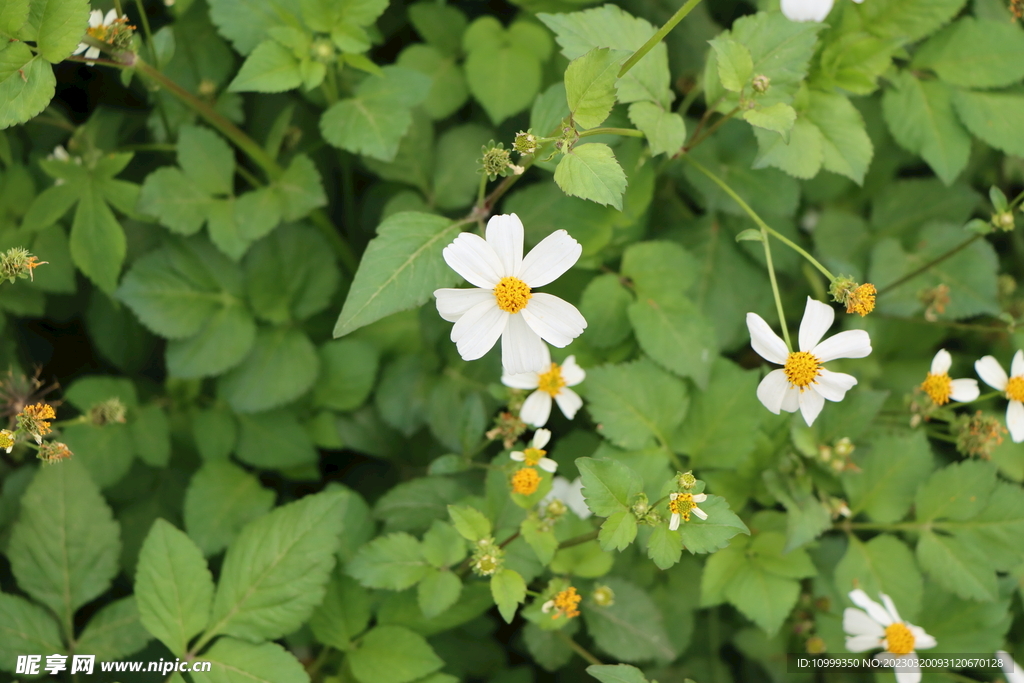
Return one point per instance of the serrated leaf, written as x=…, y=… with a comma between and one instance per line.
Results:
x=442, y=545
x=763, y=597
x=115, y=631
x=959, y=491
x=223, y=342
x=236, y=661
x=721, y=426
x=591, y=172
x=392, y=654
x=220, y=500
x=439, y=590
x=884, y=486
x=274, y=440
x=343, y=614
x=469, y=522
x=281, y=366
x=957, y=566
x=735, y=65
x=707, y=535
x=618, y=531
x=673, y=332
x=617, y=673
x=882, y=565
x=175, y=200
x=541, y=540
x=270, y=68
x=98, y=245
x=590, y=86
x=778, y=117
x=508, y=590
x=974, y=53
x=26, y=628
x=846, y=147
x=608, y=485
x=665, y=130
x=996, y=117
x=664, y=546
x=632, y=629
x=801, y=157
x=26, y=84
x=909, y=20
x=61, y=24
x=394, y=561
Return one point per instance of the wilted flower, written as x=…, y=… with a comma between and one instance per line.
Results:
x=106, y=412
x=977, y=435
x=53, y=451
x=563, y=604
x=18, y=263
x=989, y=369
x=533, y=456
x=877, y=626
x=940, y=388
x=108, y=29
x=34, y=420
x=508, y=427
x=553, y=383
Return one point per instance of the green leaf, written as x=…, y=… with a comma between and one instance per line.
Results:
x=455, y=178
x=343, y=614
x=659, y=269
x=636, y=403
x=997, y=118
x=374, y=121
x=909, y=20
x=591, y=172
x=632, y=629
x=394, y=562
x=603, y=304
x=97, y=242
x=541, y=539
x=801, y=157
x=13, y=15
x=115, y=631
x=921, y=119
x=26, y=628
x=959, y=491
x=664, y=546
x=665, y=130
x=300, y=190
x=882, y=565
x=245, y=22
x=846, y=147
x=590, y=86
x=508, y=590
x=400, y=269
x=442, y=545
x=439, y=590
x=151, y=435
x=957, y=565
x=26, y=84
x=964, y=625
x=65, y=545
x=173, y=586
x=236, y=661
x=503, y=74
x=258, y=212
x=616, y=673
x=413, y=505
x=220, y=500
x=348, y=371
x=763, y=597
x=708, y=535
x=673, y=332
x=448, y=89
x=274, y=440
x=180, y=204
x=281, y=366
x=618, y=531
x=768, y=551
x=469, y=522
x=290, y=275
x=206, y=159
x=608, y=485
x=854, y=62
x=778, y=117
x=392, y=654
x=884, y=486
x=974, y=53
x=61, y=24
x=271, y=67
x=440, y=25
x=105, y=451
x=225, y=339
x=735, y=65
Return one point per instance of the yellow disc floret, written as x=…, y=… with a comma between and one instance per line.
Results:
x=938, y=388
x=801, y=369
x=681, y=504
x=525, y=481
x=512, y=294
x=862, y=299
x=899, y=639
x=564, y=603
x=1015, y=388
x=533, y=455
x=551, y=382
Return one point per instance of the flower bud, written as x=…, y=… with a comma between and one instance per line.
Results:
x=1003, y=220
x=18, y=263
x=496, y=160
x=844, y=447
x=525, y=143
x=815, y=645
x=111, y=410
x=761, y=83
x=687, y=480
x=322, y=50
x=603, y=596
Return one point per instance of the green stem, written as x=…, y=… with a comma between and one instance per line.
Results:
x=144, y=18
x=715, y=126
x=935, y=261
x=658, y=36
x=149, y=147
x=577, y=648
x=481, y=194
x=1017, y=200
x=248, y=176
x=775, y=289
x=314, y=668
x=940, y=436
x=627, y=132
x=691, y=97
x=577, y=540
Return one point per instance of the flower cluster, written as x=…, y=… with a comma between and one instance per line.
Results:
x=552, y=384
x=34, y=420
x=683, y=503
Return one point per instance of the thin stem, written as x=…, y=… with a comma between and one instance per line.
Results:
x=144, y=18
x=935, y=261
x=330, y=85
x=940, y=436
x=578, y=540
x=658, y=36
x=775, y=289
x=481, y=194
x=314, y=668
x=509, y=540
x=248, y=176
x=577, y=648
x=149, y=147
x=627, y=132
x=691, y=97
x=1016, y=200
x=117, y=6
x=710, y=131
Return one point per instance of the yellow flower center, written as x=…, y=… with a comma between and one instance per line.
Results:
x=681, y=505
x=862, y=299
x=551, y=382
x=512, y=294
x=801, y=368
x=938, y=387
x=525, y=481
x=566, y=602
x=533, y=455
x=899, y=638
x=1015, y=388
x=98, y=32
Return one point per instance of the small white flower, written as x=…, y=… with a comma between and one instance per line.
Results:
x=552, y=383
x=989, y=369
x=802, y=383
x=877, y=626
x=570, y=493
x=682, y=504
x=1012, y=669
x=97, y=24
x=534, y=456
x=940, y=388
x=503, y=304
x=807, y=10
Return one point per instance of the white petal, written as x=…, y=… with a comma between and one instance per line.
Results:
x=766, y=343
x=857, y=623
x=554, y=255
x=505, y=235
x=772, y=390
x=1015, y=420
x=964, y=390
x=548, y=465
x=909, y=674
x=891, y=607
x=452, y=304
x=673, y=522
x=818, y=317
x=536, y=409
x=874, y=610
x=82, y=47
x=521, y=349
x=518, y=456
x=862, y=643
x=941, y=362
x=700, y=513
x=476, y=332
x=92, y=53
x=555, y=320
x=806, y=10
x=569, y=402
x=922, y=641
x=811, y=403
x=574, y=499
x=834, y=385
x=95, y=18
x=989, y=369
x=572, y=373
x=1017, y=364
x=791, y=399
x=700, y=497
x=541, y=438
x=110, y=18
x=474, y=259
x=849, y=344
x=525, y=380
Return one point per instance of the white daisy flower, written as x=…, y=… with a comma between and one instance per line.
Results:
x=682, y=504
x=1012, y=669
x=940, y=388
x=504, y=303
x=552, y=383
x=534, y=456
x=98, y=25
x=570, y=493
x=989, y=369
x=877, y=626
x=808, y=10
x=802, y=382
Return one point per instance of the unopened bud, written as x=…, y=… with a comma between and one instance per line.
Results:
x=111, y=410
x=322, y=50
x=603, y=596
x=815, y=645
x=1003, y=220
x=496, y=160
x=687, y=480
x=761, y=83
x=555, y=509
x=525, y=143
x=844, y=447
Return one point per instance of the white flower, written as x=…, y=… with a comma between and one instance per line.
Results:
x=803, y=383
x=878, y=626
x=534, y=456
x=97, y=25
x=570, y=493
x=1010, y=668
x=989, y=369
x=940, y=388
x=807, y=10
x=503, y=304
x=551, y=383
x=682, y=504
